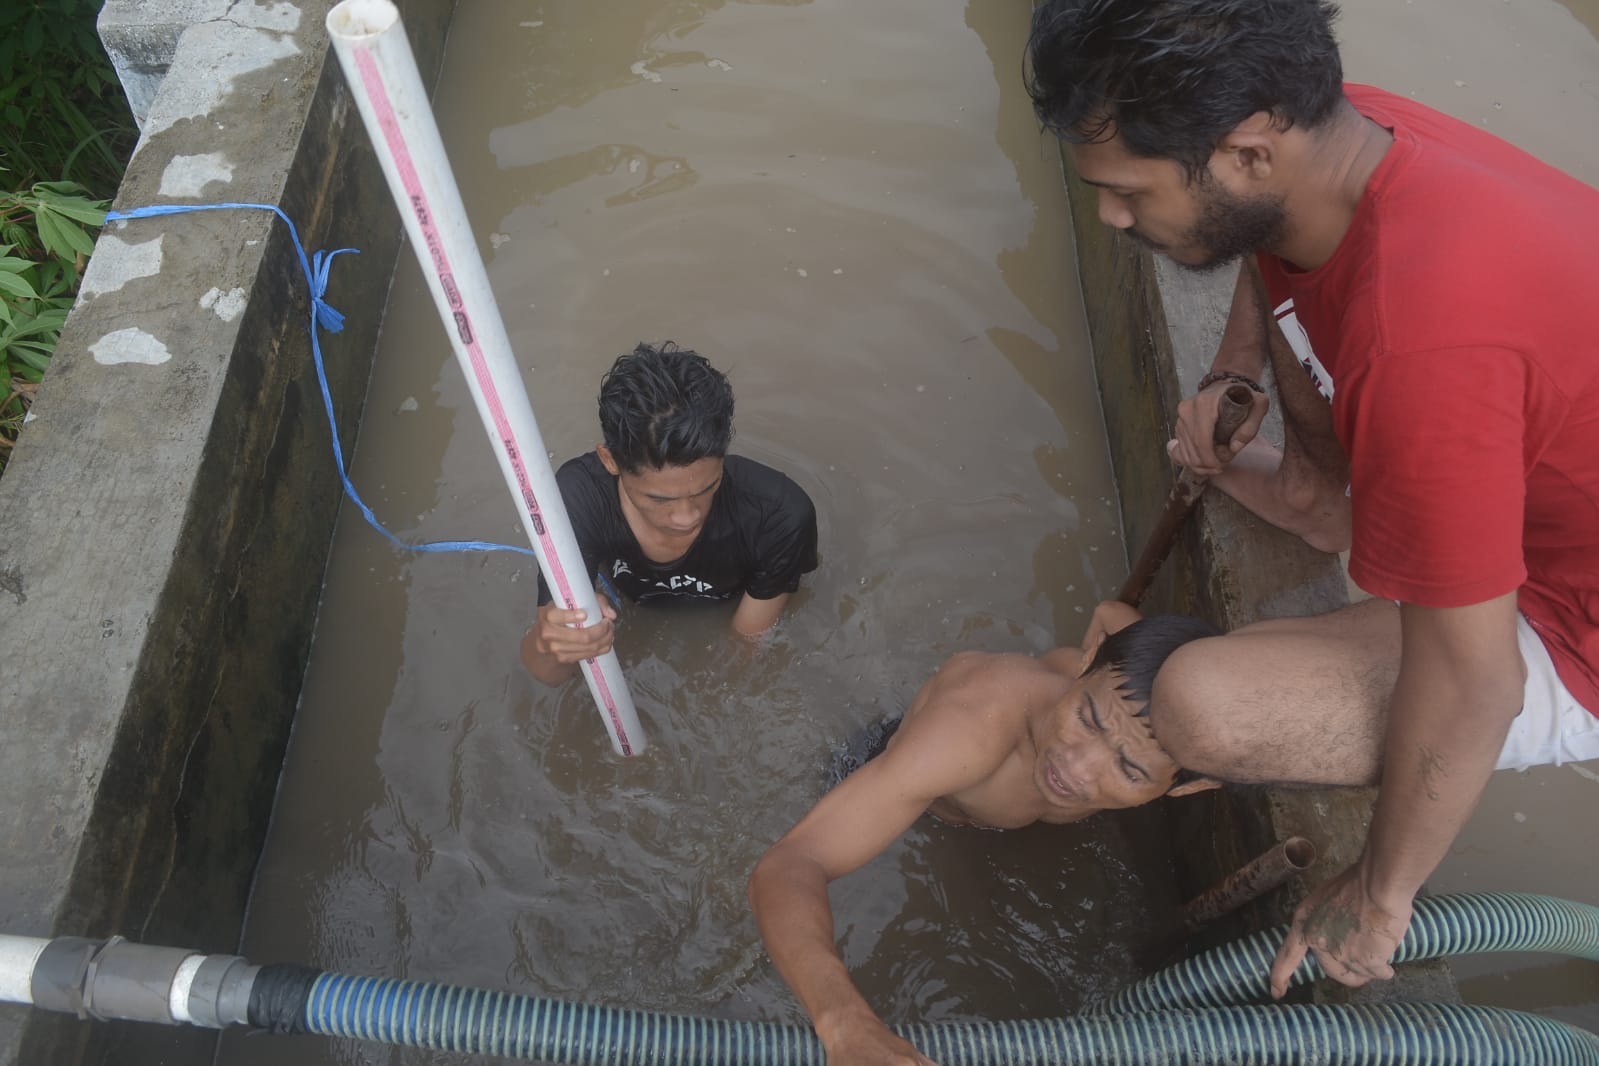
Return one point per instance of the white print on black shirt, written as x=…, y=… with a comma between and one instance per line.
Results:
x=1299, y=341
x=678, y=583
x=685, y=583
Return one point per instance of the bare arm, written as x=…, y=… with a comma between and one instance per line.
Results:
x=753, y=617
x=1111, y=616
x=552, y=648
x=849, y=827
x=788, y=893
x=1244, y=349
x=1460, y=686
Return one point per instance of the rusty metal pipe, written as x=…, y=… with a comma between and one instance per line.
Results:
x=1251, y=881
x=1236, y=404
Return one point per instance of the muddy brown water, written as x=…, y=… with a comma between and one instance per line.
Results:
x=849, y=208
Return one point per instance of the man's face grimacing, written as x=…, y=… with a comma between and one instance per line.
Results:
x=1095, y=753
x=1200, y=225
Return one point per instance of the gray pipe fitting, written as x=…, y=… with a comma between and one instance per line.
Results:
x=220, y=994
x=107, y=979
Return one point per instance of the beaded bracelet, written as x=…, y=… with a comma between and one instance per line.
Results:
x=1229, y=375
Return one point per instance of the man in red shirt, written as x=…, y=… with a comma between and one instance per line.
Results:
x=1423, y=293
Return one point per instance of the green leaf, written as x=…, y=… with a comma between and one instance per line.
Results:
x=79, y=209
x=46, y=189
x=16, y=285
x=33, y=34
x=53, y=234
x=35, y=360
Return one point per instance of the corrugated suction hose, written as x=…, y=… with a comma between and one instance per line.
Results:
x=1186, y=1014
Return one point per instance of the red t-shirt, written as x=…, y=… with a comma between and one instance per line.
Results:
x=1459, y=322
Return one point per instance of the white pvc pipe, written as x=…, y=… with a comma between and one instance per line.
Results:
x=371, y=45
x=18, y=954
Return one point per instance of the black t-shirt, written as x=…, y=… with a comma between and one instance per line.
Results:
x=759, y=537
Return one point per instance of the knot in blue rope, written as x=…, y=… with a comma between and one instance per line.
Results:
x=326, y=317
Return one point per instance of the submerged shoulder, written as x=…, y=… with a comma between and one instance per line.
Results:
x=759, y=485
x=587, y=488
x=584, y=472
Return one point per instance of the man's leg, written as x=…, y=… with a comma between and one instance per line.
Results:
x=1289, y=701
x=1301, y=488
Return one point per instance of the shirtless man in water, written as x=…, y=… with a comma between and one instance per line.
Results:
x=996, y=740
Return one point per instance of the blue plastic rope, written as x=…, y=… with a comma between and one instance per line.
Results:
x=316, y=275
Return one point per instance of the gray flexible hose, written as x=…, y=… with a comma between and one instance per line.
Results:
x=1184, y=1015
x=1442, y=925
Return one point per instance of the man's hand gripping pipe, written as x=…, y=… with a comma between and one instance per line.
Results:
x=1235, y=408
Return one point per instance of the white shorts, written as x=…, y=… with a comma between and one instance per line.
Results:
x=1552, y=728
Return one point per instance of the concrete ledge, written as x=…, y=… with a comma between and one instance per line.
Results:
x=165, y=520
x=141, y=38
x=1155, y=329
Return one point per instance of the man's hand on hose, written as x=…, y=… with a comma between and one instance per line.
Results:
x=1353, y=936
x=866, y=1041
x=1194, y=447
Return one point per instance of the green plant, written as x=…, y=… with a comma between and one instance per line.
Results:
x=43, y=246
x=65, y=132
x=62, y=112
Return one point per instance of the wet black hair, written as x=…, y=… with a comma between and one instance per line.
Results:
x=1173, y=77
x=1137, y=652
x=664, y=406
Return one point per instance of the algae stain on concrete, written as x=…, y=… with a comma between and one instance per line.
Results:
x=188, y=175
x=130, y=345
x=11, y=582
x=117, y=262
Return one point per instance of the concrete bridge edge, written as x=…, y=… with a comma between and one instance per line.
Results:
x=166, y=518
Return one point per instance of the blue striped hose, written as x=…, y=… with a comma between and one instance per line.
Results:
x=1443, y=925
x=476, y=1021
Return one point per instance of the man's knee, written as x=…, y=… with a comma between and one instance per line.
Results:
x=1188, y=705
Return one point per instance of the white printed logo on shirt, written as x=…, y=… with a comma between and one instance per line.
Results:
x=1299, y=341
x=685, y=583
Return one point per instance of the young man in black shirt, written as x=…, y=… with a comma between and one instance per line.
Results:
x=662, y=512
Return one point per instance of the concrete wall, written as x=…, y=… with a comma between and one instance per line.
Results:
x=165, y=521
x=1155, y=329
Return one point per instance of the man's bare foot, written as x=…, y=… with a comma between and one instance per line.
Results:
x=1289, y=496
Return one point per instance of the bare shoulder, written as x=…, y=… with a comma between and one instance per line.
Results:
x=972, y=712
